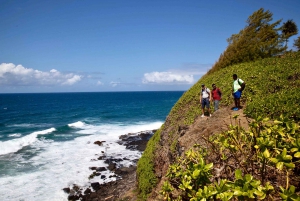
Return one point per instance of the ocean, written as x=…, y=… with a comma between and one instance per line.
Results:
x=47, y=139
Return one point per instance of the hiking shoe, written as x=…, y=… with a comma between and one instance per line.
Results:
x=235, y=109
x=202, y=115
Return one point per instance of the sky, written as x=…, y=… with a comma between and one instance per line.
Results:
x=120, y=45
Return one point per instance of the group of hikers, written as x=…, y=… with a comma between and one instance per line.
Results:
x=215, y=95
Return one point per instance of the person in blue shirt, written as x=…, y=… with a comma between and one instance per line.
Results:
x=237, y=88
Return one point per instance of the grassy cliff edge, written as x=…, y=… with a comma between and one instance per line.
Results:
x=272, y=88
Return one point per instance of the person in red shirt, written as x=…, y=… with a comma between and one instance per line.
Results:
x=216, y=96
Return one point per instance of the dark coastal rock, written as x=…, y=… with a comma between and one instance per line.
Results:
x=101, y=157
x=73, y=197
x=95, y=185
x=125, y=176
x=100, y=169
x=136, y=141
x=87, y=191
x=97, y=173
x=67, y=190
x=125, y=170
x=112, y=166
x=100, y=143
x=111, y=160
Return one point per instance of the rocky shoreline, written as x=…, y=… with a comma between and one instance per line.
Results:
x=125, y=177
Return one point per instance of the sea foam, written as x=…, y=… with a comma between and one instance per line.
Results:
x=16, y=144
x=64, y=163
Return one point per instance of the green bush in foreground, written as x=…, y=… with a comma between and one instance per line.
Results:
x=247, y=162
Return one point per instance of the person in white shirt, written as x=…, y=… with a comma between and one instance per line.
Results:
x=205, y=98
x=237, y=88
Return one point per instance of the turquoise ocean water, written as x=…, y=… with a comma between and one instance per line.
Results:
x=46, y=139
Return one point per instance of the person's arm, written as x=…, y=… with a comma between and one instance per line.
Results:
x=200, y=97
x=243, y=86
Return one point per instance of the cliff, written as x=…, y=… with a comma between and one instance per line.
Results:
x=272, y=89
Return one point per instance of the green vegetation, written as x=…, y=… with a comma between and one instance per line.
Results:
x=272, y=89
x=254, y=164
x=146, y=176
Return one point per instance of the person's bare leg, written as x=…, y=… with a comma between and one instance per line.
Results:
x=238, y=103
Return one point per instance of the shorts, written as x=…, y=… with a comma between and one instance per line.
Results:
x=237, y=94
x=205, y=102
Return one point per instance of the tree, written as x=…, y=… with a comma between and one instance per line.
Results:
x=259, y=39
x=297, y=43
x=289, y=29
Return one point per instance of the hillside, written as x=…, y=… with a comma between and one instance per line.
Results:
x=272, y=89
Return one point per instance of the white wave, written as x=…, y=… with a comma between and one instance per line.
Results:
x=68, y=162
x=29, y=125
x=14, y=145
x=21, y=125
x=78, y=124
x=15, y=135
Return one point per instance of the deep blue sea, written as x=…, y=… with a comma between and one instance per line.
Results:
x=46, y=139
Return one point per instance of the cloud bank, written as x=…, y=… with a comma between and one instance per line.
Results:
x=17, y=75
x=168, y=78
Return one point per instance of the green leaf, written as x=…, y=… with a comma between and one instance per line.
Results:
x=297, y=155
x=208, y=166
x=274, y=160
x=283, y=196
x=196, y=173
x=290, y=165
x=255, y=183
x=248, y=177
x=279, y=165
x=238, y=174
x=237, y=192
x=287, y=157
x=266, y=153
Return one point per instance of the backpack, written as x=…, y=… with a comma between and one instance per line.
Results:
x=238, y=80
x=241, y=84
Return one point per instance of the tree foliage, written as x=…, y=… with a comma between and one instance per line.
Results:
x=289, y=29
x=259, y=39
x=297, y=43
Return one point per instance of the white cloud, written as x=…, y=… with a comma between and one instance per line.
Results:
x=99, y=83
x=12, y=75
x=168, y=78
x=114, y=84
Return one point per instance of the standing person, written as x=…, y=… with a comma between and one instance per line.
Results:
x=216, y=96
x=205, y=98
x=237, y=88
